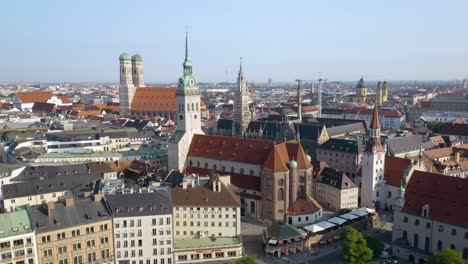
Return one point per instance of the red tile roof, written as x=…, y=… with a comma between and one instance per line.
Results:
x=375, y=123
x=161, y=99
x=65, y=100
x=446, y=196
x=239, y=180
x=393, y=171
x=454, y=129
x=304, y=206
x=230, y=148
x=32, y=97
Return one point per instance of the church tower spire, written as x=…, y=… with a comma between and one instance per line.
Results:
x=188, y=115
x=241, y=105
x=373, y=163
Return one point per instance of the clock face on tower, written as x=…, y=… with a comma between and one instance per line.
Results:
x=192, y=82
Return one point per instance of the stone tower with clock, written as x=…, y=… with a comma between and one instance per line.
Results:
x=188, y=115
x=373, y=163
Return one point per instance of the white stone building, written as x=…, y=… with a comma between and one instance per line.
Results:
x=142, y=227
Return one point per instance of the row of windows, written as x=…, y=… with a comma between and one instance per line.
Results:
x=207, y=255
x=131, y=223
x=453, y=232
x=206, y=224
x=139, y=243
x=223, y=168
x=206, y=216
x=204, y=208
x=134, y=253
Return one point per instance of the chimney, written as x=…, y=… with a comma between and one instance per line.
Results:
x=69, y=202
x=86, y=194
x=97, y=197
x=214, y=186
x=184, y=184
x=50, y=207
x=219, y=186
x=192, y=181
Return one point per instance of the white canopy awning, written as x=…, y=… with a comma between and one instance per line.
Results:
x=272, y=241
x=326, y=225
x=362, y=211
x=348, y=216
x=313, y=228
x=337, y=220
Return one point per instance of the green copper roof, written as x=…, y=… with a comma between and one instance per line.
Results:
x=125, y=57
x=283, y=231
x=292, y=164
x=15, y=223
x=137, y=57
x=177, y=136
x=361, y=83
x=207, y=242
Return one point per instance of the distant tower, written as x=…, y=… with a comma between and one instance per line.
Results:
x=361, y=88
x=126, y=87
x=188, y=115
x=299, y=100
x=241, y=105
x=385, y=92
x=379, y=93
x=269, y=80
x=137, y=71
x=465, y=83
x=373, y=163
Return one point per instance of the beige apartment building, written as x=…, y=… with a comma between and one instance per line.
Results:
x=206, y=221
x=73, y=231
x=335, y=191
x=342, y=154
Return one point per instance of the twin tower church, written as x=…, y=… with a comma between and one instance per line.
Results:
x=274, y=178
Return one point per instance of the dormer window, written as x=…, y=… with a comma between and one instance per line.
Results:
x=425, y=210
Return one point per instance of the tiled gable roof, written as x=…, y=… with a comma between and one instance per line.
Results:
x=304, y=206
x=454, y=129
x=32, y=97
x=154, y=99
x=393, y=171
x=230, y=148
x=446, y=197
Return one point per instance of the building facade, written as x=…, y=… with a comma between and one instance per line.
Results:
x=73, y=231
x=17, y=238
x=206, y=221
x=422, y=223
x=142, y=227
x=241, y=105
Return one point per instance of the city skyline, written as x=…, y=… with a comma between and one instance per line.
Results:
x=81, y=42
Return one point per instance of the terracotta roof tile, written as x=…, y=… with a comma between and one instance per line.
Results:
x=32, y=97
x=446, y=196
x=304, y=206
x=204, y=196
x=230, y=148
x=239, y=180
x=393, y=171
x=375, y=123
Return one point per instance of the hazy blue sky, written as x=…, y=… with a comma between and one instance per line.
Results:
x=81, y=40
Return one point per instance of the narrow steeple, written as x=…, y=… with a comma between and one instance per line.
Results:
x=187, y=62
x=241, y=79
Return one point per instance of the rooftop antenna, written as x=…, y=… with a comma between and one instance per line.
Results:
x=299, y=100
x=226, y=75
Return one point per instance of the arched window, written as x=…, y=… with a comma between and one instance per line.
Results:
x=215, y=167
x=427, y=243
x=452, y=246
x=241, y=171
x=439, y=245
x=232, y=170
x=188, y=107
x=197, y=106
x=190, y=162
x=280, y=194
x=405, y=234
x=416, y=241
x=389, y=194
x=405, y=219
x=193, y=108
x=454, y=232
x=416, y=222
x=223, y=168
x=198, y=164
x=251, y=172
x=206, y=165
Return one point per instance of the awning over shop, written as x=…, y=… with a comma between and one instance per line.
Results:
x=348, y=216
x=362, y=211
x=337, y=220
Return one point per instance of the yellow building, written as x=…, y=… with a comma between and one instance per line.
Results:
x=73, y=231
x=362, y=96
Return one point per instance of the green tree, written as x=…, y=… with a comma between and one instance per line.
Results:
x=447, y=256
x=247, y=260
x=434, y=126
x=375, y=245
x=355, y=250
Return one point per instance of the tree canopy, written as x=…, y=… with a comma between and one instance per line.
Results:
x=355, y=250
x=375, y=245
x=447, y=256
x=247, y=260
